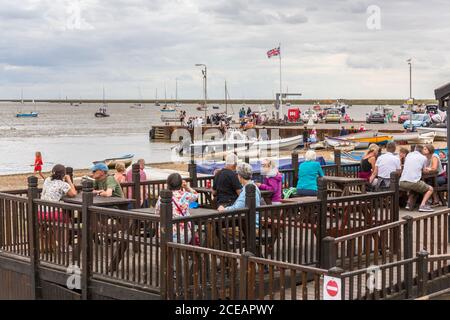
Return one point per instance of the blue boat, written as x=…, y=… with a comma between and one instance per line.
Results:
x=27, y=115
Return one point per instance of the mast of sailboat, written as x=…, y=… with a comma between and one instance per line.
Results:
x=165, y=95
x=104, y=104
x=21, y=96
x=176, y=90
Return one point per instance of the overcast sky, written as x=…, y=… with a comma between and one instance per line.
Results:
x=54, y=48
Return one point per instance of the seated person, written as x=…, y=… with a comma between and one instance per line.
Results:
x=226, y=186
x=245, y=173
x=434, y=165
x=143, y=177
x=415, y=163
x=272, y=180
x=308, y=172
x=384, y=166
x=104, y=185
x=368, y=162
x=183, y=195
x=58, y=185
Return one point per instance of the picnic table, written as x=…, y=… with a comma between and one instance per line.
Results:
x=121, y=203
x=347, y=186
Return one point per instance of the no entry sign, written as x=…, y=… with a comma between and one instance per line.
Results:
x=331, y=288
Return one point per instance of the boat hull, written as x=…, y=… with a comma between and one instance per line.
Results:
x=111, y=163
x=441, y=133
x=27, y=115
x=101, y=115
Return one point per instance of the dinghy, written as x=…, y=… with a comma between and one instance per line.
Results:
x=111, y=163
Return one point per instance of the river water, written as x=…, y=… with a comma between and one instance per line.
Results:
x=74, y=137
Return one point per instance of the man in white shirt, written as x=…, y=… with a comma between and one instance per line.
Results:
x=410, y=180
x=385, y=165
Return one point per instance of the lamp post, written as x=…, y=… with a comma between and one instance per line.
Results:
x=410, y=94
x=205, y=83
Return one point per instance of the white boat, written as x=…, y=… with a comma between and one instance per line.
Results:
x=441, y=133
x=236, y=139
x=424, y=138
x=168, y=109
x=400, y=137
x=340, y=144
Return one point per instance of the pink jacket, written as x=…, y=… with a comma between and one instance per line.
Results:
x=273, y=184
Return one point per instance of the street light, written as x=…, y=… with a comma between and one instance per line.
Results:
x=205, y=83
x=410, y=93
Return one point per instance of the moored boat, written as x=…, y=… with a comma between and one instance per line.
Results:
x=376, y=140
x=27, y=115
x=111, y=163
x=423, y=138
x=441, y=133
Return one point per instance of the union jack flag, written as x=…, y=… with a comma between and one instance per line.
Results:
x=273, y=53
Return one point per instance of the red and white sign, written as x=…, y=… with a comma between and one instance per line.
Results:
x=331, y=288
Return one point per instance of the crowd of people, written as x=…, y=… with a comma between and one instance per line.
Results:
x=412, y=164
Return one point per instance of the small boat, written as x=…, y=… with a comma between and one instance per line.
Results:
x=137, y=106
x=202, y=108
x=215, y=107
x=401, y=137
x=157, y=104
x=111, y=163
x=341, y=144
x=441, y=133
x=27, y=115
x=168, y=109
x=101, y=115
x=169, y=118
x=424, y=138
x=376, y=140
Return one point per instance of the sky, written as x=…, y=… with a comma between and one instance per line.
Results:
x=346, y=49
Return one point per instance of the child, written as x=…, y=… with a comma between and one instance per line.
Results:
x=38, y=164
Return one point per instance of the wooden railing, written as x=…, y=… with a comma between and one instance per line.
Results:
x=14, y=226
x=196, y=273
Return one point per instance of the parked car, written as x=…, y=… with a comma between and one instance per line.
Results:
x=418, y=120
x=375, y=116
x=333, y=115
x=403, y=116
x=309, y=114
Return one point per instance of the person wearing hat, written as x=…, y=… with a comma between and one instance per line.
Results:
x=58, y=185
x=104, y=185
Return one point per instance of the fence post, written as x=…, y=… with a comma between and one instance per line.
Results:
x=338, y=162
x=69, y=172
x=328, y=254
x=408, y=253
x=337, y=273
x=243, y=281
x=136, y=175
x=166, y=237
x=192, y=168
x=396, y=208
x=322, y=195
x=250, y=203
x=33, y=235
x=422, y=273
x=295, y=167
x=247, y=152
x=86, y=243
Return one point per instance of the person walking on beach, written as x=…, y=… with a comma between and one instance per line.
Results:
x=305, y=137
x=38, y=164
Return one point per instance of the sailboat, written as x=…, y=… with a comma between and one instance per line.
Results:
x=32, y=114
x=156, y=99
x=166, y=108
x=177, y=104
x=101, y=113
x=138, y=105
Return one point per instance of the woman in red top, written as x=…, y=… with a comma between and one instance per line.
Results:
x=38, y=164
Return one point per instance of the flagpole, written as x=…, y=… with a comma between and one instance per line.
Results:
x=281, y=85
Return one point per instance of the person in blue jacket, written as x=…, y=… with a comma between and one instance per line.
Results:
x=308, y=173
